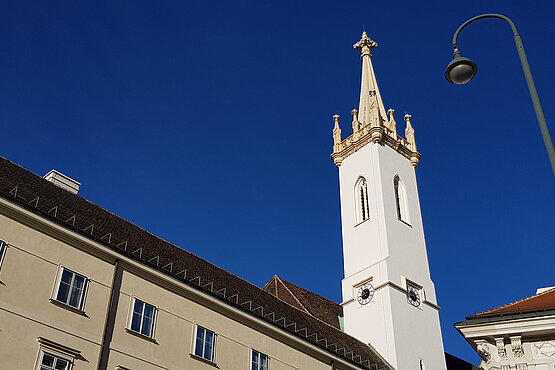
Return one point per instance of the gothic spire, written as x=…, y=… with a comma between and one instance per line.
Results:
x=371, y=110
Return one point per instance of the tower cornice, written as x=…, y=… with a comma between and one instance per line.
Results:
x=368, y=135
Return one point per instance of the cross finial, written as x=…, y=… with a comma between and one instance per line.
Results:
x=365, y=44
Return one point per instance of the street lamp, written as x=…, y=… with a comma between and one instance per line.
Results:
x=461, y=70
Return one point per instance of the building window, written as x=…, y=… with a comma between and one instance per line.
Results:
x=3, y=247
x=204, y=343
x=142, y=320
x=259, y=360
x=71, y=289
x=401, y=200
x=361, y=200
x=51, y=362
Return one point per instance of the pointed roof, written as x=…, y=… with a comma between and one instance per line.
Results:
x=370, y=97
x=371, y=123
x=305, y=300
x=539, y=301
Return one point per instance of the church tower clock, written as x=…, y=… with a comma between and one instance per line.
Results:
x=389, y=298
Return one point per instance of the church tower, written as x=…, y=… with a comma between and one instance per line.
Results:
x=389, y=298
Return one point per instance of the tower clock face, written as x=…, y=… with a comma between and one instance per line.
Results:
x=365, y=293
x=413, y=296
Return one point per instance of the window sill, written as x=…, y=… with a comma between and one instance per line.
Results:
x=405, y=222
x=361, y=222
x=133, y=332
x=68, y=307
x=202, y=359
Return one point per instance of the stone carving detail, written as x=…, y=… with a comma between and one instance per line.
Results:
x=500, y=343
x=516, y=345
x=374, y=111
x=409, y=133
x=365, y=45
x=545, y=349
x=483, y=350
x=355, y=123
x=392, y=123
x=522, y=366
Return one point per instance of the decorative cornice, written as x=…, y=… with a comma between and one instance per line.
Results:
x=58, y=347
x=376, y=135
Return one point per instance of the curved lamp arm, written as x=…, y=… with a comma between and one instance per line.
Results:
x=527, y=74
x=482, y=16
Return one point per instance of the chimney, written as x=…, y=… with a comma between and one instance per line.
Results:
x=61, y=180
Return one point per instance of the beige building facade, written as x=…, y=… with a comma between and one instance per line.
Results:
x=76, y=295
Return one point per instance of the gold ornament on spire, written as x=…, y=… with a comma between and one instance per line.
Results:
x=365, y=45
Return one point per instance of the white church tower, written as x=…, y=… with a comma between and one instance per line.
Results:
x=389, y=298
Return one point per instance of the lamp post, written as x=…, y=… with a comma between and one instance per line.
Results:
x=461, y=70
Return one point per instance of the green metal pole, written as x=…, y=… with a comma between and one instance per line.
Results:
x=529, y=80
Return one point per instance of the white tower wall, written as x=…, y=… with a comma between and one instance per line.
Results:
x=383, y=250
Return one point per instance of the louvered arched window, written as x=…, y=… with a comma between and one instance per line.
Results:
x=401, y=200
x=361, y=200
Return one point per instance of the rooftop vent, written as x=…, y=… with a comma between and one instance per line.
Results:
x=541, y=290
x=61, y=180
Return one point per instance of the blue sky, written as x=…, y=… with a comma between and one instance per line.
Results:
x=209, y=124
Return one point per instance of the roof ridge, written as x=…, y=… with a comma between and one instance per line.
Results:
x=311, y=292
x=516, y=302
x=293, y=295
x=324, y=322
x=269, y=282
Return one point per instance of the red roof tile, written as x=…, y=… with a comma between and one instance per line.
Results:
x=541, y=300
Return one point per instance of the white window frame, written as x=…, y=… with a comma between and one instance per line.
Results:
x=3, y=248
x=260, y=355
x=56, y=358
x=213, y=353
x=81, y=304
x=362, y=205
x=132, y=313
x=401, y=200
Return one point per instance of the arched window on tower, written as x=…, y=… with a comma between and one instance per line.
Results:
x=401, y=200
x=361, y=200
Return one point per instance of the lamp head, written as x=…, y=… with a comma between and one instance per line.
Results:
x=461, y=69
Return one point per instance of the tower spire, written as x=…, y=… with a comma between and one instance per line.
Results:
x=371, y=110
x=370, y=122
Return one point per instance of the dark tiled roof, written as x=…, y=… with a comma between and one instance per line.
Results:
x=543, y=300
x=305, y=300
x=76, y=213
